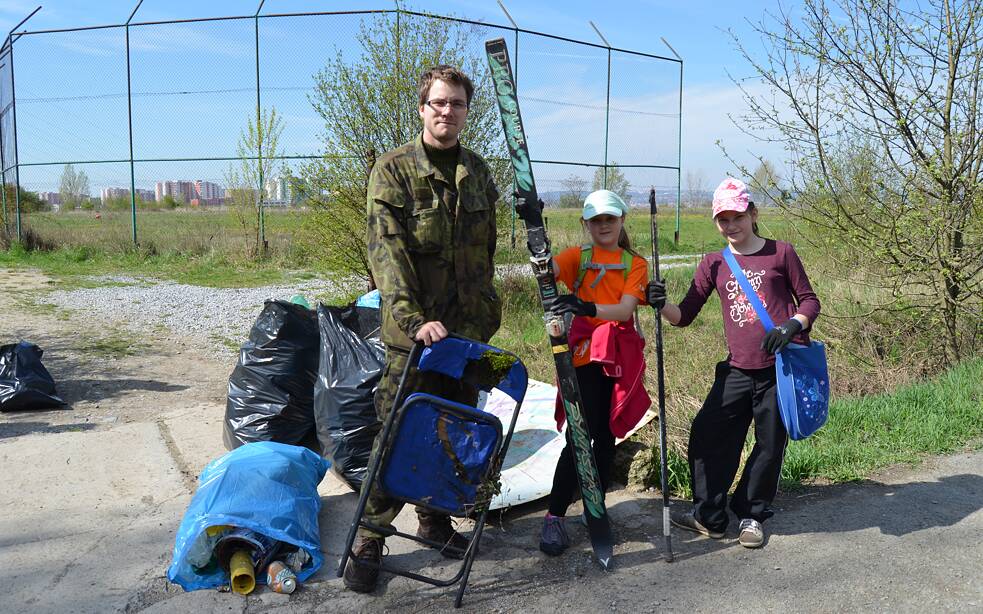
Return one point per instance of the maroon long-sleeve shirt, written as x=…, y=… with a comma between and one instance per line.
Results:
x=777, y=275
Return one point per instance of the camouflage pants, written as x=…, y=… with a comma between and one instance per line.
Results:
x=381, y=509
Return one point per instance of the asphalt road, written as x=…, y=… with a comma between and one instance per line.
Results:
x=88, y=517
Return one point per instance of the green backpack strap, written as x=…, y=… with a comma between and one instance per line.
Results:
x=586, y=262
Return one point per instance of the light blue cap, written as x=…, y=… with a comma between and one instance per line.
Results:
x=603, y=202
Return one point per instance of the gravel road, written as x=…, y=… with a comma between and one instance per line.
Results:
x=217, y=320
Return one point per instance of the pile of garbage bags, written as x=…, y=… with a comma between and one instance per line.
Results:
x=307, y=377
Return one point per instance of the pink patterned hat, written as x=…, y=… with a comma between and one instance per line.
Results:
x=730, y=195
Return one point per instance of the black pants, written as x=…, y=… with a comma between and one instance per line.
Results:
x=717, y=438
x=595, y=392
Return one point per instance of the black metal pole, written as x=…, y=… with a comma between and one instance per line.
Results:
x=13, y=109
x=129, y=118
x=3, y=166
x=663, y=449
x=262, y=245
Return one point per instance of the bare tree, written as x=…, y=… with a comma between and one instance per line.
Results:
x=765, y=183
x=696, y=188
x=574, y=191
x=612, y=178
x=74, y=188
x=244, y=178
x=879, y=106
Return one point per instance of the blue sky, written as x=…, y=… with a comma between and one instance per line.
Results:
x=69, y=107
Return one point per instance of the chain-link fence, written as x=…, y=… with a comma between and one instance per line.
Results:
x=132, y=134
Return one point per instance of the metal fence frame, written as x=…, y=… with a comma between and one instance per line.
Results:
x=7, y=55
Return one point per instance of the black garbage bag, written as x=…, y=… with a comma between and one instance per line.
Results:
x=271, y=389
x=24, y=382
x=352, y=358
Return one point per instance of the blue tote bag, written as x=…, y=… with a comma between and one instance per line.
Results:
x=803, y=379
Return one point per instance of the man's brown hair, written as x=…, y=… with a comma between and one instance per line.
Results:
x=448, y=74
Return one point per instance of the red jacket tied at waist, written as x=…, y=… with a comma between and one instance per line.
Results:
x=618, y=347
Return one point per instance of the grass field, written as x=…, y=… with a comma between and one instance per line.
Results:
x=196, y=231
x=211, y=248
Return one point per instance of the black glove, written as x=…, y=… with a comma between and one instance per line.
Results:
x=777, y=338
x=655, y=293
x=568, y=303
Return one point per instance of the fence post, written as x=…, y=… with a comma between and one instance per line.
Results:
x=129, y=118
x=3, y=166
x=13, y=108
x=369, y=164
x=607, y=105
x=679, y=153
x=259, y=144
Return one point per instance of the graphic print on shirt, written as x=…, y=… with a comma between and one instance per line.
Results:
x=741, y=310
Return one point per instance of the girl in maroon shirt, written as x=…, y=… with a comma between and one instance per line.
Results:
x=744, y=388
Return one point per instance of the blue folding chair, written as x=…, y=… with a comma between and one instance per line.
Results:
x=439, y=454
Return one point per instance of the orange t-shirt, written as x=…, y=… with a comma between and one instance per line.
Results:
x=610, y=289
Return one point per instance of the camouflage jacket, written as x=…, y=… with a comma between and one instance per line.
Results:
x=431, y=244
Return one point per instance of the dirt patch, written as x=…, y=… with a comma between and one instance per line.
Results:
x=19, y=280
x=106, y=373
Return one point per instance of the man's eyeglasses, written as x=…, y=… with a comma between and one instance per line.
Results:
x=439, y=104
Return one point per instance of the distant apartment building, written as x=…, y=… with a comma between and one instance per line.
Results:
x=52, y=198
x=181, y=190
x=108, y=194
x=279, y=190
x=197, y=192
x=208, y=193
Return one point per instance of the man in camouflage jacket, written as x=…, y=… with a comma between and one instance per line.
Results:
x=431, y=246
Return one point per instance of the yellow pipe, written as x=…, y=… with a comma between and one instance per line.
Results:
x=242, y=573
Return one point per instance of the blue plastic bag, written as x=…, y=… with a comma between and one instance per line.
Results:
x=803, y=388
x=268, y=487
x=371, y=299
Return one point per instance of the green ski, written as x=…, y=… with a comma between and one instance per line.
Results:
x=529, y=209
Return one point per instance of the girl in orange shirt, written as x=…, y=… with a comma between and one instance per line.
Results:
x=607, y=281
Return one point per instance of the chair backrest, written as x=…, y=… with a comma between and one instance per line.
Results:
x=441, y=454
x=451, y=355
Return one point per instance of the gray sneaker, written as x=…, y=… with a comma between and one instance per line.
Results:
x=554, y=539
x=690, y=523
x=752, y=533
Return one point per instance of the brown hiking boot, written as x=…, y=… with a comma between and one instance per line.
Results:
x=437, y=528
x=362, y=578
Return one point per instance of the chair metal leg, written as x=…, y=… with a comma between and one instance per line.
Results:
x=469, y=557
x=374, y=463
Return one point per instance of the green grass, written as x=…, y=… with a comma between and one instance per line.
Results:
x=209, y=247
x=68, y=264
x=868, y=433
x=112, y=345
x=863, y=435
